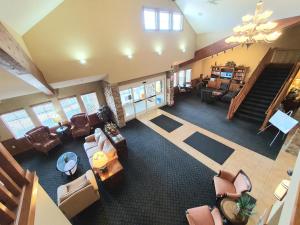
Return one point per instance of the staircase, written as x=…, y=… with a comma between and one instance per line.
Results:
x=263, y=92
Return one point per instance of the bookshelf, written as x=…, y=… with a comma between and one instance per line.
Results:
x=233, y=74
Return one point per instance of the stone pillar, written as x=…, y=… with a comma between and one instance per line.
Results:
x=170, y=88
x=113, y=100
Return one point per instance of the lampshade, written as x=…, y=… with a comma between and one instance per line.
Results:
x=99, y=160
x=57, y=118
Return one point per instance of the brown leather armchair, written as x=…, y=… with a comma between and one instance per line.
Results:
x=42, y=140
x=204, y=215
x=80, y=125
x=230, y=185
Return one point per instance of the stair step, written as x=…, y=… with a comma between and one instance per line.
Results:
x=252, y=113
x=258, y=96
x=259, y=104
x=263, y=92
x=252, y=108
x=249, y=118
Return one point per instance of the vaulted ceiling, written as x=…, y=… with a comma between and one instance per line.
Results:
x=213, y=16
x=23, y=15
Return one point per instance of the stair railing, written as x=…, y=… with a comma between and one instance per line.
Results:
x=18, y=191
x=281, y=94
x=237, y=100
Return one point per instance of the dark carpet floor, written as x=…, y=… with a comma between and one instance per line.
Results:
x=166, y=123
x=161, y=181
x=212, y=117
x=209, y=147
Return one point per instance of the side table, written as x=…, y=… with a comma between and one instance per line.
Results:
x=63, y=132
x=119, y=142
x=228, y=209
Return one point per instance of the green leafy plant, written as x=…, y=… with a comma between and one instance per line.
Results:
x=111, y=128
x=245, y=208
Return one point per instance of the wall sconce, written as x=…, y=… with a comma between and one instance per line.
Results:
x=82, y=61
x=183, y=48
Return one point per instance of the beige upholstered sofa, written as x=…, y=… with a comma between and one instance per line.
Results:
x=77, y=195
x=99, y=142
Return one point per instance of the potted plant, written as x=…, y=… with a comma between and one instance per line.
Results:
x=244, y=207
x=111, y=128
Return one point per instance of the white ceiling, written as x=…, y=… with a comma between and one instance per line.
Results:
x=11, y=86
x=209, y=16
x=22, y=15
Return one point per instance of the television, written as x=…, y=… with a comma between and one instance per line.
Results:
x=226, y=74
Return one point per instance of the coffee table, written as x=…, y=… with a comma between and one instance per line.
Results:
x=228, y=209
x=67, y=163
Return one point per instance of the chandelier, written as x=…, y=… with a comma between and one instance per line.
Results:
x=255, y=28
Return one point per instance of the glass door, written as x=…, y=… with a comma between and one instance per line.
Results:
x=150, y=95
x=127, y=103
x=139, y=100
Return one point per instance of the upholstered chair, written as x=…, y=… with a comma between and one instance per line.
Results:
x=42, y=140
x=204, y=215
x=80, y=125
x=74, y=197
x=230, y=185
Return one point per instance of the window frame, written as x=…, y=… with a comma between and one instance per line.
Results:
x=61, y=99
x=172, y=20
x=9, y=128
x=184, y=77
x=93, y=92
x=157, y=19
x=36, y=114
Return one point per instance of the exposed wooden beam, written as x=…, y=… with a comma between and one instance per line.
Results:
x=221, y=45
x=14, y=60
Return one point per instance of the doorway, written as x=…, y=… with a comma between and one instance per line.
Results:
x=140, y=97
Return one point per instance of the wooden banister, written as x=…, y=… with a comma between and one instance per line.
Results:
x=18, y=191
x=280, y=95
x=295, y=220
x=237, y=101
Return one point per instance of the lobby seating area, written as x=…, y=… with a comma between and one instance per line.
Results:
x=147, y=112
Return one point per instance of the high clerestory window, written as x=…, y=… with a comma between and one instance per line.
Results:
x=162, y=20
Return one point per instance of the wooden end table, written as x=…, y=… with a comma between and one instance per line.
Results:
x=113, y=173
x=228, y=209
x=119, y=142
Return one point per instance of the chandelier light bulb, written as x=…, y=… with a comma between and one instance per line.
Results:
x=259, y=37
x=237, y=29
x=247, y=18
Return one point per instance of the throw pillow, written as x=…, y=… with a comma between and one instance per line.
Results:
x=101, y=140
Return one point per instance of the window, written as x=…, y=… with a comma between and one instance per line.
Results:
x=90, y=102
x=162, y=20
x=177, y=21
x=181, y=78
x=18, y=122
x=184, y=76
x=150, y=19
x=46, y=114
x=188, y=76
x=70, y=106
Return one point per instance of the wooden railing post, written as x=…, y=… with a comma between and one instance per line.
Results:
x=18, y=191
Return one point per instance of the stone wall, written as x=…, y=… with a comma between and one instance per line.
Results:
x=170, y=88
x=113, y=100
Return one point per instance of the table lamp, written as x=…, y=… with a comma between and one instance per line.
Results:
x=100, y=161
x=57, y=119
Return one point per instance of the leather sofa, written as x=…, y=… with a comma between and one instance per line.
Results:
x=204, y=215
x=99, y=142
x=80, y=125
x=231, y=185
x=77, y=195
x=42, y=140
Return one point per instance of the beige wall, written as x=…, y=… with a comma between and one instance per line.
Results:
x=46, y=212
x=248, y=57
x=102, y=31
x=28, y=100
x=204, y=39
